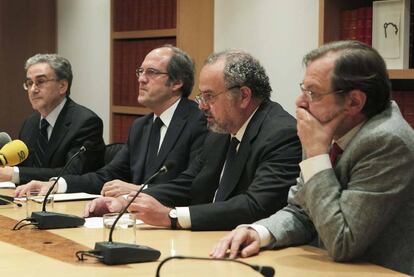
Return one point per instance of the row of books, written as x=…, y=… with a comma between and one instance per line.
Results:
x=405, y=101
x=127, y=56
x=356, y=24
x=137, y=15
x=121, y=123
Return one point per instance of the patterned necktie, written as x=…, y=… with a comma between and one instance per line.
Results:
x=334, y=153
x=42, y=144
x=227, y=174
x=154, y=143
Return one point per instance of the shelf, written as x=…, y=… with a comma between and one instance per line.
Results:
x=161, y=33
x=401, y=73
x=130, y=110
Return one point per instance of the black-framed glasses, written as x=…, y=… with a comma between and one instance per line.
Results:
x=315, y=96
x=149, y=72
x=39, y=83
x=205, y=98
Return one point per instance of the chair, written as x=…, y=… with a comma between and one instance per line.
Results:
x=111, y=150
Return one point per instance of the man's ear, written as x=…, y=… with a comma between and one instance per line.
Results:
x=177, y=85
x=355, y=102
x=63, y=87
x=245, y=96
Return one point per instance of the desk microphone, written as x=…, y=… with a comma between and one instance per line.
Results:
x=50, y=220
x=4, y=139
x=266, y=271
x=4, y=200
x=114, y=253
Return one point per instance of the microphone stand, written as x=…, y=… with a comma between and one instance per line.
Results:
x=114, y=253
x=50, y=220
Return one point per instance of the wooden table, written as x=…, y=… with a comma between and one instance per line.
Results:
x=32, y=252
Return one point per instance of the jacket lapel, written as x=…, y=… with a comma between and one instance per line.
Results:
x=243, y=152
x=60, y=130
x=177, y=124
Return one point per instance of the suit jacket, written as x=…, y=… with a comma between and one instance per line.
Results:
x=183, y=139
x=266, y=166
x=364, y=208
x=74, y=127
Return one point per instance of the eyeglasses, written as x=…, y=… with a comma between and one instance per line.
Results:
x=39, y=83
x=149, y=72
x=206, y=98
x=314, y=96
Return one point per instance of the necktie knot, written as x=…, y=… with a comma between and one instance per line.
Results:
x=334, y=153
x=44, y=124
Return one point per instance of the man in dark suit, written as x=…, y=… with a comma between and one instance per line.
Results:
x=58, y=128
x=359, y=205
x=228, y=184
x=166, y=78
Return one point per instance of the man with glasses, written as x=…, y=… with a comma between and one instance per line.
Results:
x=247, y=163
x=358, y=200
x=58, y=127
x=174, y=131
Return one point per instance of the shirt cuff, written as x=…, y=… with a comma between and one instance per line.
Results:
x=15, y=176
x=265, y=236
x=183, y=217
x=61, y=184
x=311, y=166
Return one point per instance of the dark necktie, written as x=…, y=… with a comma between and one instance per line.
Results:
x=227, y=174
x=154, y=143
x=334, y=153
x=42, y=144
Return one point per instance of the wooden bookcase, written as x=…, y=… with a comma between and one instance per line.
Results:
x=329, y=30
x=138, y=26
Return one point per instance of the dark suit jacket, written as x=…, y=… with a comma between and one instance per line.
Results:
x=266, y=166
x=184, y=138
x=75, y=126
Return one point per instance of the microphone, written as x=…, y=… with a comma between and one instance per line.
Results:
x=4, y=200
x=266, y=271
x=114, y=253
x=50, y=220
x=4, y=138
x=13, y=153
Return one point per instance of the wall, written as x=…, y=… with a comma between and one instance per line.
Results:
x=277, y=32
x=83, y=37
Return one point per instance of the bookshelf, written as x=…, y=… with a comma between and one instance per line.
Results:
x=138, y=26
x=330, y=30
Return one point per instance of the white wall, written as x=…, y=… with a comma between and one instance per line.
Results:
x=83, y=38
x=277, y=32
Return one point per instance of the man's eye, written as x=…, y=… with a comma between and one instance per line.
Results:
x=40, y=81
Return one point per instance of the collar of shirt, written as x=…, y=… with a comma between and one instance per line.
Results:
x=240, y=133
x=345, y=139
x=53, y=115
x=168, y=114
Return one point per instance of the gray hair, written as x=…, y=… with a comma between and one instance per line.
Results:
x=242, y=69
x=60, y=66
x=180, y=67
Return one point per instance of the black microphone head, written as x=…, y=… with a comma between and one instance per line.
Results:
x=266, y=271
x=4, y=139
x=167, y=166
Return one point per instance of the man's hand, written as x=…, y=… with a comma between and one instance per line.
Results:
x=6, y=174
x=150, y=211
x=244, y=240
x=316, y=137
x=103, y=205
x=33, y=185
x=117, y=188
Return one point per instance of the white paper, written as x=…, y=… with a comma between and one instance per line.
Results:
x=7, y=185
x=97, y=222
